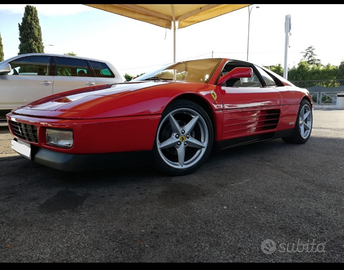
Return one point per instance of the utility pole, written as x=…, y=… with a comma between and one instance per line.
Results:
x=287, y=27
x=248, y=30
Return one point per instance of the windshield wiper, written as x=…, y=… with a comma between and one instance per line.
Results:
x=157, y=79
x=153, y=79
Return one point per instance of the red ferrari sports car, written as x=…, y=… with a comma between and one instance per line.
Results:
x=172, y=118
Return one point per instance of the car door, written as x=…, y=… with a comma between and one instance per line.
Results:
x=71, y=73
x=29, y=80
x=250, y=105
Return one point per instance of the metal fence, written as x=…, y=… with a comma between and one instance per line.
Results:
x=323, y=91
x=319, y=83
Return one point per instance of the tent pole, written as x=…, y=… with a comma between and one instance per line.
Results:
x=174, y=41
x=174, y=33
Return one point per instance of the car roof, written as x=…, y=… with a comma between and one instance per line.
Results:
x=50, y=54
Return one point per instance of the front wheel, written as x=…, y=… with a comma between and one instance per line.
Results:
x=303, y=125
x=184, y=138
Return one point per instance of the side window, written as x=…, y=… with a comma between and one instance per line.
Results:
x=31, y=66
x=101, y=69
x=72, y=67
x=269, y=81
x=240, y=82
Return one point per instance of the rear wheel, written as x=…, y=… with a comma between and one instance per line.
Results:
x=303, y=125
x=184, y=138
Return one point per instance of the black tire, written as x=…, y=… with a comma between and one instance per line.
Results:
x=303, y=125
x=184, y=138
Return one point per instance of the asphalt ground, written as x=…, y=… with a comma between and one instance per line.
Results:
x=265, y=202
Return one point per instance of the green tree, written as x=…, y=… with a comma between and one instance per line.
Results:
x=277, y=69
x=310, y=57
x=300, y=73
x=70, y=53
x=1, y=50
x=340, y=73
x=315, y=74
x=30, y=34
x=310, y=72
x=127, y=77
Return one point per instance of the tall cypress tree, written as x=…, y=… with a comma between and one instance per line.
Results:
x=1, y=50
x=30, y=34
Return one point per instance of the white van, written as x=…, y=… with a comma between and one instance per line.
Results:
x=28, y=77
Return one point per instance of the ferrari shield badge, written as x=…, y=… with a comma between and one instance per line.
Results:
x=213, y=94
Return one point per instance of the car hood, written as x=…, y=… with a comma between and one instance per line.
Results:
x=123, y=99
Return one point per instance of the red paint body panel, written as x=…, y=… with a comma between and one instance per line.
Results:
x=116, y=101
x=124, y=117
x=111, y=119
x=123, y=134
x=243, y=107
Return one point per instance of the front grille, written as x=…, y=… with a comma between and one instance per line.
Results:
x=25, y=131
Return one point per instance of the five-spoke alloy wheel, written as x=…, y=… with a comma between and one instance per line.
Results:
x=184, y=138
x=303, y=125
x=305, y=121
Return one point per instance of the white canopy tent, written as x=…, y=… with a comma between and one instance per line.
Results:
x=171, y=16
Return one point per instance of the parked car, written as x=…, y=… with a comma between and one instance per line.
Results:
x=28, y=77
x=172, y=118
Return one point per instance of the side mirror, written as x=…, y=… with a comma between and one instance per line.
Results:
x=5, y=68
x=238, y=72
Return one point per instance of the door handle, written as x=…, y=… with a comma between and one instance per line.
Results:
x=90, y=83
x=45, y=83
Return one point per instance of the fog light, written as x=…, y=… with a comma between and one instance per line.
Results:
x=59, y=138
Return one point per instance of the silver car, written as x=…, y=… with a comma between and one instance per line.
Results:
x=28, y=77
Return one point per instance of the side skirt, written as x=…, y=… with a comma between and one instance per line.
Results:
x=220, y=145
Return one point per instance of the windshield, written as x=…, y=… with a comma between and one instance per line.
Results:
x=188, y=71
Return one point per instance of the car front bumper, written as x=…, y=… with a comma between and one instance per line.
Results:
x=87, y=162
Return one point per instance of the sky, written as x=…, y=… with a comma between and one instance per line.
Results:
x=135, y=47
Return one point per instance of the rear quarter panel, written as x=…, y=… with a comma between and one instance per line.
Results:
x=291, y=99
